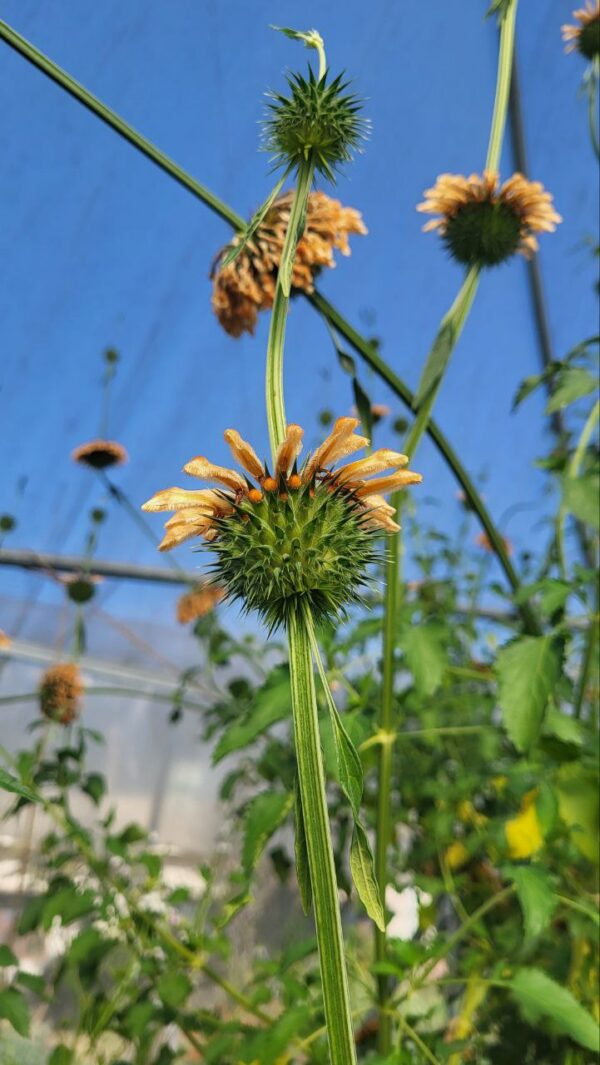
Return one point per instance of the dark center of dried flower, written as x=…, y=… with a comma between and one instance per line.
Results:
x=588, y=42
x=483, y=234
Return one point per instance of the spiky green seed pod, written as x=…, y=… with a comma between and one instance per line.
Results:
x=311, y=546
x=317, y=120
x=483, y=234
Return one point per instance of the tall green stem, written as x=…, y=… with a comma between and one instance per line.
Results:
x=449, y=332
x=505, y=63
x=384, y=774
x=274, y=369
x=311, y=779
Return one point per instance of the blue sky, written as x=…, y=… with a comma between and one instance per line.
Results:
x=100, y=248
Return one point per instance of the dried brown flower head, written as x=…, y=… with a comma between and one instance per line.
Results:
x=585, y=37
x=100, y=454
x=483, y=223
x=247, y=285
x=199, y=601
x=60, y=691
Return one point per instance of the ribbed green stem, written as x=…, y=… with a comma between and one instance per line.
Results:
x=384, y=779
x=311, y=779
x=274, y=369
x=505, y=62
x=448, y=334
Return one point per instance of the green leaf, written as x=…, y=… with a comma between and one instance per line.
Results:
x=69, y=904
x=437, y=360
x=301, y=853
x=94, y=785
x=264, y=814
x=539, y=996
x=573, y=384
x=14, y=1009
x=528, y=670
x=581, y=496
x=61, y=1056
x=174, y=988
x=425, y=657
x=138, y=1017
x=553, y=594
x=8, y=782
x=565, y=728
x=6, y=956
x=536, y=896
x=363, y=875
x=527, y=386
x=577, y=792
x=267, y=1047
x=271, y=703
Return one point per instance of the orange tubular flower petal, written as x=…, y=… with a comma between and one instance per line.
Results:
x=289, y=449
x=340, y=442
x=207, y=471
x=244, y=453
x=380, y=460
x=381, y=485
x=181, y=498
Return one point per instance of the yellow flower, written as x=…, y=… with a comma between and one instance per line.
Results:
x=523, y=832
x=585, y=37
x=456, y=855
x=483, y=223
x=60, y=691
x=5, y=641
x=199, y=601
x=100, y=454
x=247, y=285
x=470, y=816
x=201, y=513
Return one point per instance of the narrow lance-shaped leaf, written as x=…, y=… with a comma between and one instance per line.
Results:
x=256, y=220
x=363, y=875
x=351, y=781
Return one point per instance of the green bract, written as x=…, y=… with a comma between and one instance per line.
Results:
x=317, y=120
x=311, y=546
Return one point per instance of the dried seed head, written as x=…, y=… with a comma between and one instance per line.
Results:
x=60, y=692
x=100, y=454
x=482, y=223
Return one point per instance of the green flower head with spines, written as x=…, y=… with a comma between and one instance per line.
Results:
x=298, y=538
x=318, y=119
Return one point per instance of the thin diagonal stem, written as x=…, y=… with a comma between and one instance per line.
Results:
x=93, y=104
